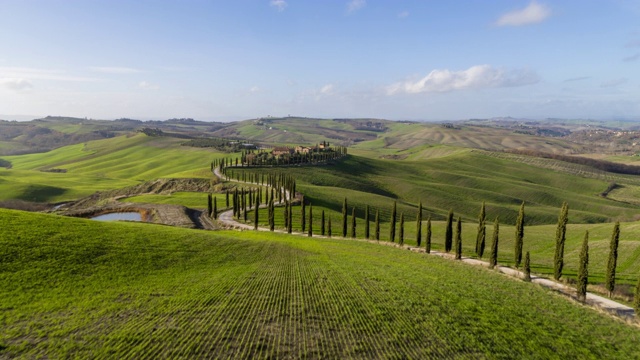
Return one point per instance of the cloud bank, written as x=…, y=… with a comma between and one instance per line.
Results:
x=475, y=77
x=534, y=13
x=16, y=84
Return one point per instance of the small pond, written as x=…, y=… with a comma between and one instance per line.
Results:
x=128, y=216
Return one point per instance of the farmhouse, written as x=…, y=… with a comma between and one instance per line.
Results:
x=281, y=150
x=303, y=149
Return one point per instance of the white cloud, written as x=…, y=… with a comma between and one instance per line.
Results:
x=114, y=70
x=613, y=83
x=147, y=86
x=278, y=4
x=355, y=5
x=534, y=13
x=403, y=14
x=327, y=89
x=254, y=89
x=17, y=84
x=475, y=77
x=40, y=74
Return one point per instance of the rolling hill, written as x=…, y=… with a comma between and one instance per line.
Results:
x=78, y=288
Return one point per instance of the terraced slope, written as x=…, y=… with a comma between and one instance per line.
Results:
x=76, y=288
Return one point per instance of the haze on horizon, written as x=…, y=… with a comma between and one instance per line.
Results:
x=433, y=60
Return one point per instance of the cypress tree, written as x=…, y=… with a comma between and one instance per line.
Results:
x=427, y=239
x=527, y=268
x=448, y=235
x=401, y=233
x=392, y=225
x=613, y=258
x=290, y=221
x=227, y=197
x=215, y=208
x=482, y=230
x=329, y=227
x=236, y=204
x=583, y=268
x=303, y=215
x=353, y=223
x=561, y=231
x=366, y=222
x=419, y=226
x=256, y=213
x=286, y=215
x=377, y=227
x=493, y=259
x=636, y=299
x=209, y=205
x=459, y=239
x=272, y=220
x=244, y=206
x=344, y=218
x=519, y=236
x=322, y=224
x=310, y=233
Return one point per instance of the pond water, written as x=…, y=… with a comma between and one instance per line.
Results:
x=129, y=216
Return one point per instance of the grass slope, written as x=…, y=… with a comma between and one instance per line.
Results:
x=101, y=165
x=461, y=182
x=77, y=288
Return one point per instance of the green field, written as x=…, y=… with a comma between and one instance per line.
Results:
x=539, y=240
x=73, y=288
x=101, y=165
x=461, y=182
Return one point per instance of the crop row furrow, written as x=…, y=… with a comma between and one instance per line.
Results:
x=413, y=287
x=381, y=303
x=191, y=320
x=340, y=312
x=262, y=304
x=327, y=313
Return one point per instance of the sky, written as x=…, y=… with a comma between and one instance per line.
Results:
x=400, y=59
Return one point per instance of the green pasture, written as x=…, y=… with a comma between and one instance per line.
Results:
x=460, y=182
x=75, y=288
x=539, y=240
x=101, y=165
x=194, y=200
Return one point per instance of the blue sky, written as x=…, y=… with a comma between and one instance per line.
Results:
x=226, y=60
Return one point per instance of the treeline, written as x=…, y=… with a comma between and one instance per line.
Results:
x=313, y=156
x=281, y=188
x=603, y=165
x=224, y=145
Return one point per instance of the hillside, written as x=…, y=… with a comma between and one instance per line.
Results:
x=461, y=182
x=77, y=288
x=100, y=165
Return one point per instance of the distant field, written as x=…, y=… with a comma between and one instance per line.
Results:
x=192, y=200
x=73, y=288
x=101, y=165
x=461, y=181
x=406, y=137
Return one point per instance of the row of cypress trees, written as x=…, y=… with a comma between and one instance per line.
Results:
x=449, y=244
